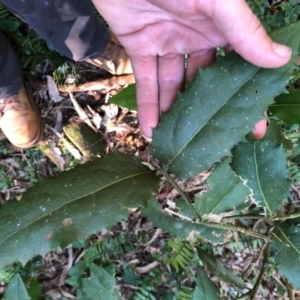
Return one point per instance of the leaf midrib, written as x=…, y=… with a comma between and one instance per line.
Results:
x=258, y=179
x=209, y=118
x=71, y=201
x=284, y=104
x=287, y=239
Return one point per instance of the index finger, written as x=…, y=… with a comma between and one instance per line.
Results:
x=146, y=78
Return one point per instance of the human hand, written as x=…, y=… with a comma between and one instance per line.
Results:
x=260, y=129
x=157, y=34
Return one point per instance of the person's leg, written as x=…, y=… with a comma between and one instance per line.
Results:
x=72, y=29
x=69, y=26
x=11, y=78
x=20, y=120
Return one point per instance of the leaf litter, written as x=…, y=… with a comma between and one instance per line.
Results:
x=122, y=133
x=119, y=127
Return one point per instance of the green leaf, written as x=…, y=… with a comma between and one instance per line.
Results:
x=100, y=286
x=262, y=166
x=34, y=288
x=285, y=245
x=287, y=107
x=295, y=156
x=75, y=272
x=73, y=205
x=274, y=134
x=16, y=289
x=131, y=277
x=219, y=108
x=126, y=98
x=218, y=269
x=205, y=289
x=227, y=193
x=182, y=228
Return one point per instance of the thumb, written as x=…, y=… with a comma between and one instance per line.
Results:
x=246, y=35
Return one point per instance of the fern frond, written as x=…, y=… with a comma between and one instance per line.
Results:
x=185, y=293
x=182, y=254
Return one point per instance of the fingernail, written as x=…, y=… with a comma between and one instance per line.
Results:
x=281, y=50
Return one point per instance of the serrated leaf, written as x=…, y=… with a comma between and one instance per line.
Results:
x=219, y=108
x=126, y=98
x=262, y=166
x=73, y=205
x=287, y=107
x=220, y=270
x=285, y=245
x=16, y=289
x=274, y=134
x=205, y=289
x=295, y=156
x=227, y=193
x=182, y=228
x=100, y=286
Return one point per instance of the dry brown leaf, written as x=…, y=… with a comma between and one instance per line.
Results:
x=50, y=149
x=82, y=114
x=95, y=117
x=75, y=152
x=53, y=90
x=147, y=268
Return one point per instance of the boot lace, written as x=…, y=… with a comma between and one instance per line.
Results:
x=14, y=102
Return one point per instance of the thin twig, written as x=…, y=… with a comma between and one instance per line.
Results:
x=193, y=189
x=179, y=190
x=146, y=269
x=154, y=237
x=255, y=263
x=103, y=85
x=262, y=272
x=177, y=214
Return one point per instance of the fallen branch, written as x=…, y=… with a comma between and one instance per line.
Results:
x=103, y=85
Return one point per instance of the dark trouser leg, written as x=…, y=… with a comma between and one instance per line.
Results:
x=11, y=77
x=69, y=26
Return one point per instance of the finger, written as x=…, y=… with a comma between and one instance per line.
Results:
x=201, y=60
x=145, y=71
x=245, y=33
x=170, y=79
x=260, y=129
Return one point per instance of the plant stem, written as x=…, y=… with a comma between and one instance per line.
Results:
x=262, y=271
x=281, y=218
x=254, y=264
x=245, y=216
x=209, y=224
x=291, y=216
x=179, y=190
x=235, y=228
x=249, y=271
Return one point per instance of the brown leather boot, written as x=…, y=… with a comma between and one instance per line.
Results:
x=20, y=119
x=114, y=59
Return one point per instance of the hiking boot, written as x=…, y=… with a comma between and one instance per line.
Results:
x=114, y=59
x=20, y=119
